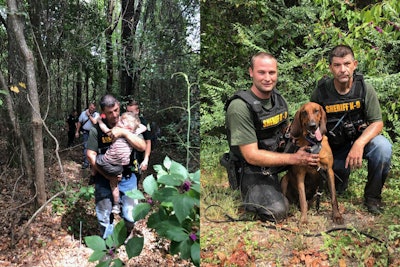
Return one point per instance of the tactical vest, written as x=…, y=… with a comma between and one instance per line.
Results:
x=269, y=124
x=346, y=114
x=103, y=140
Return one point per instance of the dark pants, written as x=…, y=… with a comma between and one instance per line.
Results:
x=378, y=152
x=71, y=138
x=262, y=194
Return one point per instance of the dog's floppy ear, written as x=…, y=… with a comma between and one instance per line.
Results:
x=322, y=124
x=295, y=127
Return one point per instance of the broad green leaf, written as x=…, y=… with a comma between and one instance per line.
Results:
x=178, y=170
x=134, y=246
x=195, y=187
x=135, y=194
x=177, y=234
x=150, y=185
x=169, y=179
x=157, y=217
x=195, y=177
x=140, y=211
x=117, y=263
x=195, y=253
x=160, y=170
x=95, y=242
x=184, y=248
x=167, y=162
x=106, y=263
x=119, y=234
x=164, y=227
x=183, y=204
x=97, y=255
x=165, y=194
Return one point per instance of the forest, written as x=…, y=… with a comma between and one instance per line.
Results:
x=300, y=34
x=60, y=56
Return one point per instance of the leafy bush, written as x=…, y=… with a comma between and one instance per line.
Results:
x=173, y=200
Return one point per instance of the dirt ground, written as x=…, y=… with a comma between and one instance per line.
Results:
x=55, y=237
x=363, y=240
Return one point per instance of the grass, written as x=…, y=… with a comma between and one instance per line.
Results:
x=265, y=244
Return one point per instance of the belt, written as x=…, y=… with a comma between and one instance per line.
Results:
x=258, y=169
x=267, y=171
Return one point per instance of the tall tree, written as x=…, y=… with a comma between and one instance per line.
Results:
x=16, y=25
x=130, y=18
x=112, y=24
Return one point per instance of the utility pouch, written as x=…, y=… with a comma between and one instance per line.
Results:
x=233, y=168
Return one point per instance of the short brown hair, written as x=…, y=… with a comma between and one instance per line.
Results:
x=260, y=54
x=340, y=51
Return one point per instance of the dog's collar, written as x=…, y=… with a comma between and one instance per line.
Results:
x=316, y=145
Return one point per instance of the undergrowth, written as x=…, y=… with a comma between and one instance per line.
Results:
x=287, y=242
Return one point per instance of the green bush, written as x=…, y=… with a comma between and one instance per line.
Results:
x=173, y=199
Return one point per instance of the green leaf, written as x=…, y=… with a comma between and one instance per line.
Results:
x=169, y=179
x=135, y=194
x=156, y=218
x=177, y=234
x=140, y=211
x=134, y=246
x=183, y=204
x=184, y=248
x=162, y=227
x=165, y=194
x=119, y=234
x=105, y=263
x=150, y=185
x=117, y=263
x=195, y=253
x=95, y=242
x=159, y=169
x=195, y=187
x=167, y=162
x=97, y=255
x=178, y=170
x=195, y=177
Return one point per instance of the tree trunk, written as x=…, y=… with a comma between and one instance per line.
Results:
x=109, y=46
x=17, y=28
x=130, y=19
x=127, y=9
x=79, y=88
x=17, y=129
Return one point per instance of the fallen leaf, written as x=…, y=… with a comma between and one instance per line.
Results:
x=342, y=263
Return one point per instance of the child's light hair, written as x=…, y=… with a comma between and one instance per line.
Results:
x=129, y=120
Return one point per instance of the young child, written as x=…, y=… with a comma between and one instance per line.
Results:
x=118, y=154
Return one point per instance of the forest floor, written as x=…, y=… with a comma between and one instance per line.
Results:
x=55, y=236
x=231, y=237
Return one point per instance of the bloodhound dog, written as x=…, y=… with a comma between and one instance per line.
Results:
x=308, y=129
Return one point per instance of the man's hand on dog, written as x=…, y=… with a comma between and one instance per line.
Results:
x=305, y=158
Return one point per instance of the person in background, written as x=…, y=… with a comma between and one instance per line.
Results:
x=86, y=120
x=142, y=158
x=98, y=143
x=354, y=126
x=70, y=124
